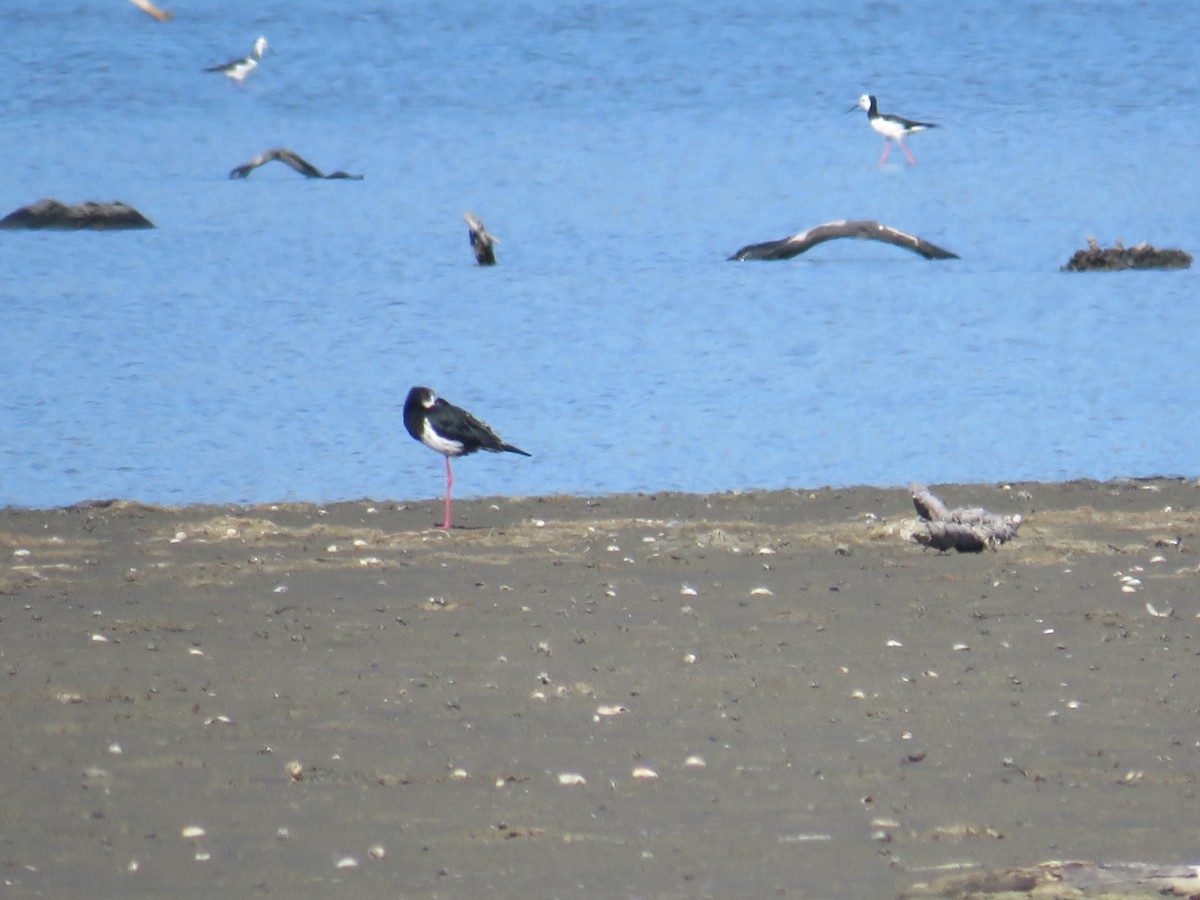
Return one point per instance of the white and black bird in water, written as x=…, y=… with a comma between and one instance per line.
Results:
x=238, y=69
x=892, y=128
x=450, y=431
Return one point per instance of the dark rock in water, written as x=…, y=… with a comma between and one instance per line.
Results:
x=72, y=217
x=1117, y=258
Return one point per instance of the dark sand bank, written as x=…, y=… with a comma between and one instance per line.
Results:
x=830, y=710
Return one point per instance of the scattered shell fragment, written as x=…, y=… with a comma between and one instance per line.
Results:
x=294, y=770
x=69, y=697
x=858, y=695
x=762, y=592
x=192, y=832
x=460, y=774
x=346, y=862
x=114, y=749
x=99, y=639
x=180, y=537
x=202, y=856
x=803, y=838
x=894, y=643
x=605, y=711
x=195, y=651
x=644, y=772
x=571, y=779
x=1165, y=614
x=376, y=851
x=961, y=646
x=688, y=591
x=695, y=761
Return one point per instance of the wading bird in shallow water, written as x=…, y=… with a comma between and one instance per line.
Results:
x=893, y=128
x=238, y=69
x=450, y=431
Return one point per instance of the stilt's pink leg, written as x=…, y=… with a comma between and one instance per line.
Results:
x=906, y=153
x=449, y=485
x=886, y=147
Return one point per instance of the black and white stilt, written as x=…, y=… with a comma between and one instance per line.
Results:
x=892, y=128
x=237, y=69
x=450, y=431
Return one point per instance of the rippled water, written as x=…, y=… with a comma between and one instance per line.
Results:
x=257, y=344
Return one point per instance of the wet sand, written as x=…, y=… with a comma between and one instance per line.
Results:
x=661, y=696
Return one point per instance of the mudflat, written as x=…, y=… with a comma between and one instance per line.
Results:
x=660, y=696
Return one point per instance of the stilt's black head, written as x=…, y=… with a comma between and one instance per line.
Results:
x=418, y=402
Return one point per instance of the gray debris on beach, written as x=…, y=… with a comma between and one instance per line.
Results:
x=1074, y=878
x=965, y=529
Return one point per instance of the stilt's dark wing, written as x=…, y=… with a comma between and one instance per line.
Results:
x=456, y=424
x=788, y=247
x=225, y=67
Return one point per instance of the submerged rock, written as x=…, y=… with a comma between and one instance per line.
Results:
x=47, y=213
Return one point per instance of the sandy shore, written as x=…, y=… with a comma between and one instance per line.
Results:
x=739, y=695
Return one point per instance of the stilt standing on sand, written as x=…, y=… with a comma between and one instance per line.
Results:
x=450, y=431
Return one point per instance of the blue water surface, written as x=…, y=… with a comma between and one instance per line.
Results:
x=257, y=345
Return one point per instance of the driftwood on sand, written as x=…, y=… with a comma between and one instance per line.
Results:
x=967, y=530
x=288, y=158
x=52, y=214
x=481, y=241
x=1119, y=257
x=1071, y=878
x=788, y=247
